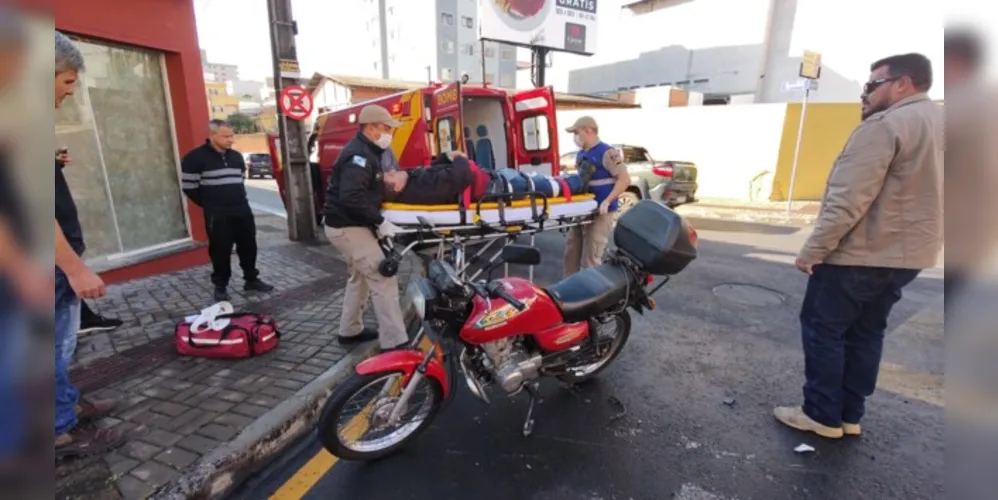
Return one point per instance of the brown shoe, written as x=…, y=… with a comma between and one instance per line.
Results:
x=83, y=442
x=90, y=409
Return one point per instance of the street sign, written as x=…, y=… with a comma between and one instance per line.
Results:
x=295, y=102
x=810, y=65
x=290, y=68
x=799, y=84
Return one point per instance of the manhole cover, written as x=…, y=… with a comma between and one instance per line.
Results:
x=752, y=295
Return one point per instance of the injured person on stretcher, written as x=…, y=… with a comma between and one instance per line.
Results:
x=435, y=193
x=445, y=180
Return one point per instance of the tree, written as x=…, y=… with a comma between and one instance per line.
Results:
x=242, y=124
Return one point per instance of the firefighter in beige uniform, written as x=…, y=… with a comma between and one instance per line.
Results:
x=354, y=193
x=609, y=178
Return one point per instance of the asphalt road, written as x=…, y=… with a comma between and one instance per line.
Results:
x=697, y=381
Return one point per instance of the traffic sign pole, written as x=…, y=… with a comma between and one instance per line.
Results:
x=800, y=135
x=297, y=177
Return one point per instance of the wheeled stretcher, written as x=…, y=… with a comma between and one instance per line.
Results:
x=494, y=219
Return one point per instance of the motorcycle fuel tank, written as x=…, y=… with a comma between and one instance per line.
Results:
x=496, y=319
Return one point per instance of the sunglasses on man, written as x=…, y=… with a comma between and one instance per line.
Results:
x=873, y=85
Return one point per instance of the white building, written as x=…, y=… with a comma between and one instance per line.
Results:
x=401, y=49
x=218, y=71
x=744, y=50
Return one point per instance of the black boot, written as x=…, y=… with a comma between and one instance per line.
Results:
x=221, y=294
x=257, y=285
x=366, y=335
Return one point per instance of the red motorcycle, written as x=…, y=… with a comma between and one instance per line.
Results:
x=504, y=333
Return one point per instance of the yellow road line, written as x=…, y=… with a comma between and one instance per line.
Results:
x=305, y=478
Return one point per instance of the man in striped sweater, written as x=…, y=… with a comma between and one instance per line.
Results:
x=213, y=178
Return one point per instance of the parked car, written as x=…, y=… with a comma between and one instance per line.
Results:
x=671, y=182
x=258, y=165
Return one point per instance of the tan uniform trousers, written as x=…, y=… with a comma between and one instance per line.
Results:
x=362, y=253
x=586, y=244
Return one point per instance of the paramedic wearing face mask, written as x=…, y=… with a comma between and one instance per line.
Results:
x=354, y=194
x=585, y=244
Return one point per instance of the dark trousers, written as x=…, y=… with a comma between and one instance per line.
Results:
x=223, y=232
x=843, y=322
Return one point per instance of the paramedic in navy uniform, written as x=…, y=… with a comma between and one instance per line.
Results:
x=586, y=244
x=354, y=194
x=214, y=179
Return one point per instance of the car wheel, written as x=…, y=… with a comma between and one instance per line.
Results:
x=625, y=202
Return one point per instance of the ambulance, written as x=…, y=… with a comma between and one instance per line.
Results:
x=496, y=128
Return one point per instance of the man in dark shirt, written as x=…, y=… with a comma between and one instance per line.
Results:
x=73, y=281
x=214, y=179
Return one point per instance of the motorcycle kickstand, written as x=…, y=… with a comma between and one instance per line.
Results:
x=528, y=425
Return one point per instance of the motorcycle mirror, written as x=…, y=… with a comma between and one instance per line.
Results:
x=516, y=253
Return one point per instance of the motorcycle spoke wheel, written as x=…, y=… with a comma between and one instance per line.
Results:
x=356, y=423
x=610, y=339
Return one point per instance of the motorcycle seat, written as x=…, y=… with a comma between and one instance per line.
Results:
x=590, y=291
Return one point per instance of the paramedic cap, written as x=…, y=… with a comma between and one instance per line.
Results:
x=583, y=122
x=373, y=113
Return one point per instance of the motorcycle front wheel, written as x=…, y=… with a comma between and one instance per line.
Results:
x=355, y=422
x=611, y=336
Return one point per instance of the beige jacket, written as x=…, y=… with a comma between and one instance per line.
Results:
x=883, y=206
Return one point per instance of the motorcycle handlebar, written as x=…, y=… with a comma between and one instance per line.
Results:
x=496, y=289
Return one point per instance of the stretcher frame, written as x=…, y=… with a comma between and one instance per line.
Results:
x=417, y=239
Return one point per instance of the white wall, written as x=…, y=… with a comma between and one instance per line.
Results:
x=731, y=145
x=850, y=35
x=726, y=41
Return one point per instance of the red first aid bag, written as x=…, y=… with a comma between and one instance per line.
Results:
x=246, y=335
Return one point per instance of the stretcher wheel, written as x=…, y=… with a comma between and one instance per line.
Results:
x=389, y=267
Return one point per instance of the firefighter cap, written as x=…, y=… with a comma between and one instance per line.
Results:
x=372, y=113
x=583, y=122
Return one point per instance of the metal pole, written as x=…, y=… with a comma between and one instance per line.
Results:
x=800, y=134
x=539, y=63
x=297, y=178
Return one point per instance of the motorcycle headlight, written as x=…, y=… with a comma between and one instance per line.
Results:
x=415, y=298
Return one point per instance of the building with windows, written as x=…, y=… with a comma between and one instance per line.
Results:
x=401, y=50
x=141, y=105
x=219, y=72
x=220, y=103
x=746, y=50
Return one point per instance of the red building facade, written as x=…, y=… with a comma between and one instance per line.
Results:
x=140, y=107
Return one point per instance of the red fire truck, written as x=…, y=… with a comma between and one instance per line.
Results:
x=495, y=127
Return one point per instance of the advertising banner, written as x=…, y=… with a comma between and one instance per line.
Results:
x=563, y=25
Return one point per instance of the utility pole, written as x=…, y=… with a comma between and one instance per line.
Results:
x=297, y=178
x=538, y=56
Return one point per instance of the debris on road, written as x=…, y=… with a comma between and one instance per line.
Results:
x=804, y=448
x=618, y=406
x=729, y=401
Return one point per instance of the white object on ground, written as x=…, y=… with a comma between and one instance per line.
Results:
x=208, y=319
x=803, y=448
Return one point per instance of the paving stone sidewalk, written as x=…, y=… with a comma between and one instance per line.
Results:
x=177, y=411
x=765, y=212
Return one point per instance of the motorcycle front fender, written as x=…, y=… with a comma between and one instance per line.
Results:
x=405, y=362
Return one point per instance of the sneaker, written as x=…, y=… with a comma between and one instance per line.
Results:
x=92, y=409
x=84, y=442
x=98, y=323
x=794, y=416
x=221, y=294
x=365, y=335
x=257, y=285
x=851, y=429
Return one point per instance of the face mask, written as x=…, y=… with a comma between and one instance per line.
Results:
x=578, y=140
x=384, y=141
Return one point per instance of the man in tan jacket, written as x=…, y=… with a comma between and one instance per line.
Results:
x=880, y=224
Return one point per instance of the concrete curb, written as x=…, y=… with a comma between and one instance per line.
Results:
x=222, y=470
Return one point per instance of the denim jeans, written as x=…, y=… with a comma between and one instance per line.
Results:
x=843, y=323
x=13, y=331
x=67, y=322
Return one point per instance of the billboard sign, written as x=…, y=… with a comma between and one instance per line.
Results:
x=563, y=25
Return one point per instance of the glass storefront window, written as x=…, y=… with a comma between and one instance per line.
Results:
x=125, y=174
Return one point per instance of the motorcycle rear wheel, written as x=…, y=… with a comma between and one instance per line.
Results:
x=331, y=430
x=586, y=372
